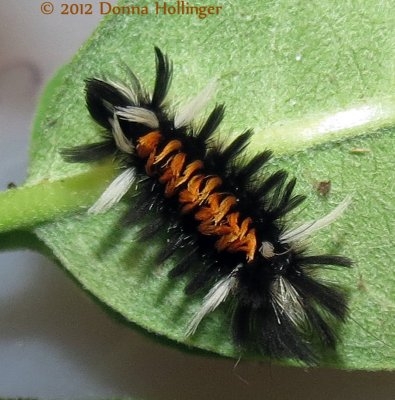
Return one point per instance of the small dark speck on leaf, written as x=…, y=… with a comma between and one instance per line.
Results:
x=323, y=187
x=51, y=123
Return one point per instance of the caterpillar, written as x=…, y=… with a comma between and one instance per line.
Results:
x=225, y=210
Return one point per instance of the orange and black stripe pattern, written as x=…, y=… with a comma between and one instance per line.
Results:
x=223, y=212
x=198, y=193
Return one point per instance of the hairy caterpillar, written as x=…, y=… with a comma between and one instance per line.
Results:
x=223, y=210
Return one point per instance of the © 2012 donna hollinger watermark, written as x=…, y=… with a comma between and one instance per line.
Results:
x=162, y=8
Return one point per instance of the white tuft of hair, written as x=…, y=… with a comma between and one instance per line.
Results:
x=308, y=228
x=286, y=300
x=218, y=294
x=114, y=192
x=120, y=139
x=128, y=92
x=139, y=115
x=267, y=249
x=190, y=110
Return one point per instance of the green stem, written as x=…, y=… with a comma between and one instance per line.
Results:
x=27, y=206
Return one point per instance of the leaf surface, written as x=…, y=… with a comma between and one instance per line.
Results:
x=316, y=81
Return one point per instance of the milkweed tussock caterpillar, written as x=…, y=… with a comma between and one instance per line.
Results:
x=223, y=211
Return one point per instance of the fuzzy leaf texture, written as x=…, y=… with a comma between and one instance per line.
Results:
x=316, y=81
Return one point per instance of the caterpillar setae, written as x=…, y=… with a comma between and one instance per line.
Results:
x=225, y=210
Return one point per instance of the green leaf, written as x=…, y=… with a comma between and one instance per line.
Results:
x=302, y=74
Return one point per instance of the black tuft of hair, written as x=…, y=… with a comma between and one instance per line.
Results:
x=101, y=100
x=164, y=71
x=87, y=153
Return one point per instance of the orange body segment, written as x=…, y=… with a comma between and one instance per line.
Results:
x=198, y=194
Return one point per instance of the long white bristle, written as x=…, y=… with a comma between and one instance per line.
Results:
x=310, y=227
x=218, y=293
x=139, y=115
x=120, y=139
x=114, y=192
x=286, y=300
x=195, y=106
x=127, y=91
